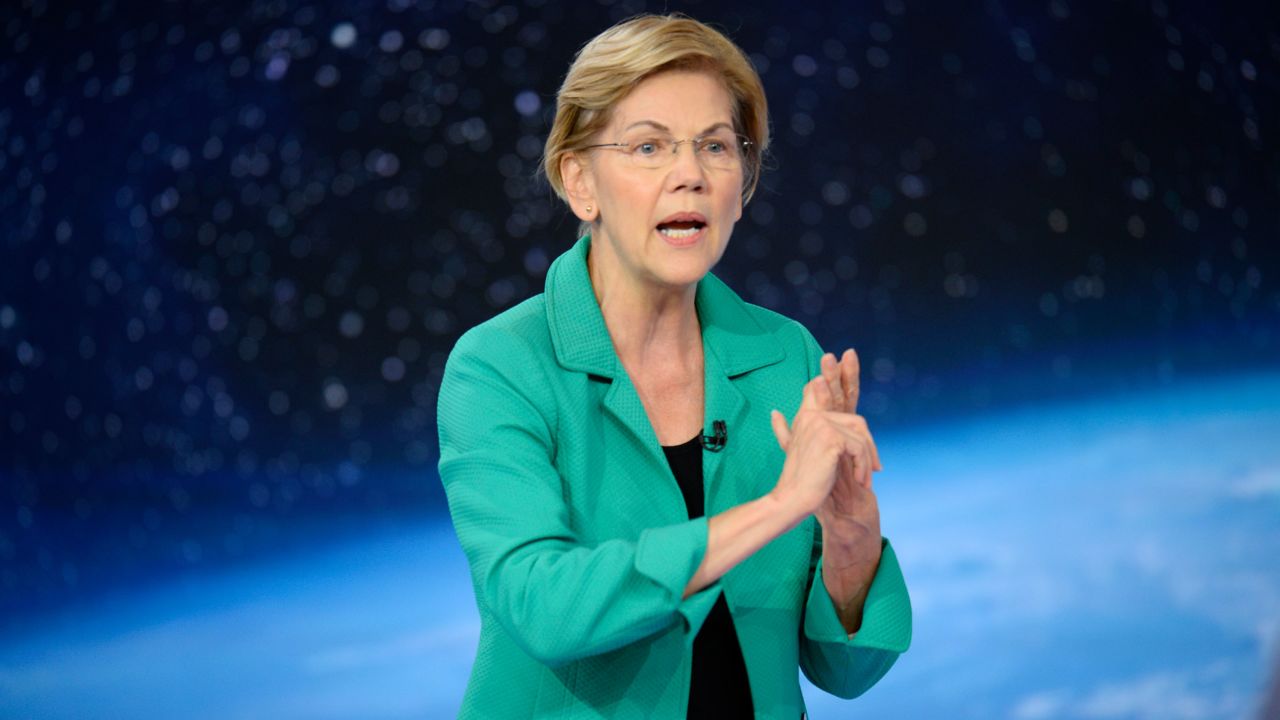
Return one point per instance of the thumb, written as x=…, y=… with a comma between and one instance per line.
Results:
x=780, y=430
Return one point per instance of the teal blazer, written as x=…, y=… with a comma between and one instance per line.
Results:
x=577, y=535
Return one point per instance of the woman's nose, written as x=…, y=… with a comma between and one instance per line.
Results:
x=686, y=168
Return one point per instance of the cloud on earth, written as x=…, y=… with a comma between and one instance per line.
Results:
x=1208, y=692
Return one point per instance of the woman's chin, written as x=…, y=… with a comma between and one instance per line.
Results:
x=686, y=272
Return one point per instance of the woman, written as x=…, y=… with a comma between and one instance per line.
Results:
x=638, y=515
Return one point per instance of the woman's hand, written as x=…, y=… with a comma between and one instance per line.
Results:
x=833, y=395
x=842, y=378
x=849, y=514
x=824, y=447
x=814, y=443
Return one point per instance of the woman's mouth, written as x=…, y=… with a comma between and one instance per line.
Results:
x=682, y=233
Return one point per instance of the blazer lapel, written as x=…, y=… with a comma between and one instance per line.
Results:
x=725, y=402
x=733, y=345
x=582, y=343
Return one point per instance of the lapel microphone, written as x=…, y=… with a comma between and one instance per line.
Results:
x=716, y=442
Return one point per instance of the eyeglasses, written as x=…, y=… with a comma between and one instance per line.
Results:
x=719, y=151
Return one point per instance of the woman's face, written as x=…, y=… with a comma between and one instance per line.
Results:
x=630, y=203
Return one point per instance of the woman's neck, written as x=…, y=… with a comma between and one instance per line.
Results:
x=653, y=328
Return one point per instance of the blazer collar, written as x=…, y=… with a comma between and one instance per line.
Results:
x=582, y=341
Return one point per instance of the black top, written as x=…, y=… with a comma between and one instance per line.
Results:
x=719, y=686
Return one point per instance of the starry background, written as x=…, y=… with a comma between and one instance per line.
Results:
x=240, y=239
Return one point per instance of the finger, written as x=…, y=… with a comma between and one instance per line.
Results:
x=807, y=401
x=848, y=378
x=780, y=430
x=850, y=370
x=855, y=452
x=875, y=455
x=831, y=371
x=857, y=449
x=823, y=395
x=857, y=425
x=876, y=465
x=809, y=396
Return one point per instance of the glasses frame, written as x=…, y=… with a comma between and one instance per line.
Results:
x=743, y=143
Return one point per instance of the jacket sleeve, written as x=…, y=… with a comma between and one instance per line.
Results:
x=848, y=666
x=558, y=598
x=844, y=665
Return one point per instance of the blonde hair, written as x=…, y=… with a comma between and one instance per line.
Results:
x=616, y=60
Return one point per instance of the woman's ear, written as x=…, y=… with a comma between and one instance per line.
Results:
x=579, y=185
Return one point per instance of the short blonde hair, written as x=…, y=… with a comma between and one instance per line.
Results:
x=616, y=60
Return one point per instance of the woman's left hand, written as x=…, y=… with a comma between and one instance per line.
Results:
x=850, y=516
x=851, y=508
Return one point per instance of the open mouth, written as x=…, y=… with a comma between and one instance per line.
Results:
x=681, y=230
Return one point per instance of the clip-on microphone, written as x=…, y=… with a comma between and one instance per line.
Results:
x=716, y=442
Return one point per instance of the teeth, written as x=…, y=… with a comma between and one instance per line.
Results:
x=674, y=233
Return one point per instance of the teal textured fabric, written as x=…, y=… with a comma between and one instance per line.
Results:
x=576, y=532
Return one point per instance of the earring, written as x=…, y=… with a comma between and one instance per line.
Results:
x=588, y=208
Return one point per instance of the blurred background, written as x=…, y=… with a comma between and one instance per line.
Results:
x=240, y=240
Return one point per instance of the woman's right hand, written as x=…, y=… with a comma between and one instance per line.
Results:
x=819, y=436
x=814, y=443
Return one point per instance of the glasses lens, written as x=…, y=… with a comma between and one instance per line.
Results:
x=721, y=150
x=649, y=151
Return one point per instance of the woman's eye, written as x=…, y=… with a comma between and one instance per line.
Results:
x=647, y=148
x=715, y=147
